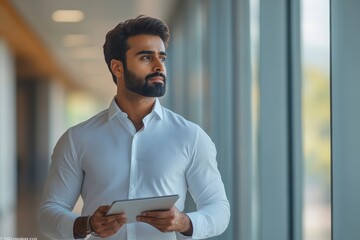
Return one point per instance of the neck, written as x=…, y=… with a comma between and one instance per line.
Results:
x=135, y=106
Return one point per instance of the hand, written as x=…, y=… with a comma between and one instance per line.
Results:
x=105, y=226
x=168, y=221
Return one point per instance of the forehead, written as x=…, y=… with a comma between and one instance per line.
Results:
x=145, y=42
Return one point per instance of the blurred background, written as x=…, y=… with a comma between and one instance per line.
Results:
x=254, y=75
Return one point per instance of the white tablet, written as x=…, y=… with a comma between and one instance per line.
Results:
x=134, y=207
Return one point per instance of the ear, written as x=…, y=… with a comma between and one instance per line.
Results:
x=117, y=68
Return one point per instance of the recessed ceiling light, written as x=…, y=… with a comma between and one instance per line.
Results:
x=68, y=16
x=75, y=40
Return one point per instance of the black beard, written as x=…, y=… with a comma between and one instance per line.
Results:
x=133, y=84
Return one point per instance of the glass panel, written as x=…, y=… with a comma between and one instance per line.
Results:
x=316, y=119
x=255, y=101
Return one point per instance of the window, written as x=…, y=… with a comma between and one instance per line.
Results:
x=316, y=119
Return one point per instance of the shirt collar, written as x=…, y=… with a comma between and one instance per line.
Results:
x=158, y=108
x=114, y=110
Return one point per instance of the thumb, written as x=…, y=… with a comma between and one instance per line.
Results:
x=102, y=210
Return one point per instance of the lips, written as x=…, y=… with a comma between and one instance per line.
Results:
x=157, y=79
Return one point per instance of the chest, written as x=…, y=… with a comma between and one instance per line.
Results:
x=147, y=157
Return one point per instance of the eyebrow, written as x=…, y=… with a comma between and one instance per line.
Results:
x=150, y=52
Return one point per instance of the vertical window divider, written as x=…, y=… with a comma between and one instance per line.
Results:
x=295, y=149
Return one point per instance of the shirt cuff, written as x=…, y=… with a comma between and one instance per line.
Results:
x=66, y=225
x=202, y=227
x=182, y=237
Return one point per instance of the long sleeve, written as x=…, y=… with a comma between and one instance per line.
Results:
x=61, y=191
x=104, y=159
x=207, y=189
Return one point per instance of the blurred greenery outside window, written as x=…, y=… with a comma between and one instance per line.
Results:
x=316, y=119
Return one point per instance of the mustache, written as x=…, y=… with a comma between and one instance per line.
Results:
x=156, y=74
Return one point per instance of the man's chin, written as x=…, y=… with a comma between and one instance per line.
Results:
x=157, y=90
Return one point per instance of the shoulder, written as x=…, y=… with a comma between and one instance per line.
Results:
x=181, y=124
x=90, y=125
x=177, y=120
x=182, y=127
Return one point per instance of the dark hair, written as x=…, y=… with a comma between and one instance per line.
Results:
x=115, y=46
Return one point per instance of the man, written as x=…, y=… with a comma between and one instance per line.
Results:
x=136, y=148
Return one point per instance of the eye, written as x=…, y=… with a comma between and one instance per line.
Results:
x=163, y=59
x=146, y=58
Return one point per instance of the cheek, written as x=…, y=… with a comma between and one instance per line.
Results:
x=164, y=70
x=141, y=69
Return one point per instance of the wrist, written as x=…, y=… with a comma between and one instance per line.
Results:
x=89, y=229
x=187, y=225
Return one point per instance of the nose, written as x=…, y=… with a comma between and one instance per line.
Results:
x=158, y=69
x=159, y=66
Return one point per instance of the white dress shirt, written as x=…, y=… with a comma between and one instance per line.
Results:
x=105, y=159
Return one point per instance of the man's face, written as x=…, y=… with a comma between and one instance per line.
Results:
x=145, y=72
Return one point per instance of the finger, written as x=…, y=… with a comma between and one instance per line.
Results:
x=156, y=221
x=112, y=218
x=161, y=224
x=105, y=221
x=101, y=223
x=110, y=228
x=159, y=214
x=103, y=209
x=171, y=213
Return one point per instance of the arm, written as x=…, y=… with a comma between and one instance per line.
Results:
x=62, y=190
x=206, y=187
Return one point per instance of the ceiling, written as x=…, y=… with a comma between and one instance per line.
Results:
x=77, y=46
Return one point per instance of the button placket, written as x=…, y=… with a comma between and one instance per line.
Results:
x=131, y=235
x=133, y=168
